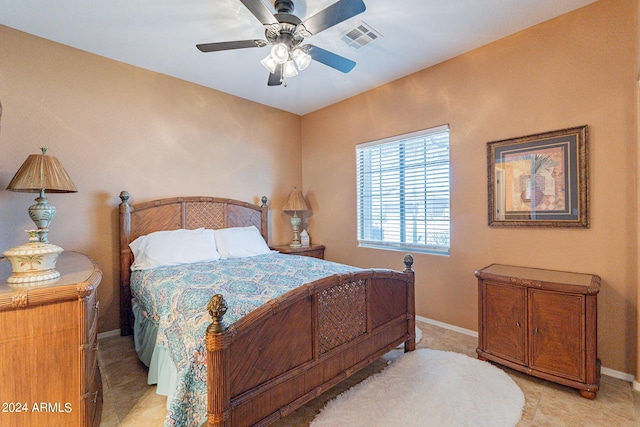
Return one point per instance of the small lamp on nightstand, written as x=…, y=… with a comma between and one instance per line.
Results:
x=295, y=203
x=36, y=260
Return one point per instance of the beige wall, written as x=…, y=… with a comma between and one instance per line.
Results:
x=636, y=383
x=578, y=69
x=115, y=127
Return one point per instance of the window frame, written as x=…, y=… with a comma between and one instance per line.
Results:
x=364, y=209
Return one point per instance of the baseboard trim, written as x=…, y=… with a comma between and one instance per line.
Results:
x=606, y=371
x=447, y=326
x=107, y=334
x=619, y=375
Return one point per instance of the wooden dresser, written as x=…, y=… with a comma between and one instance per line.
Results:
x=541, y=322
x=315, y=251
x=49, y=374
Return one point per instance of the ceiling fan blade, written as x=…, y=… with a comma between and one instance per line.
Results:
x=334, y=14
x=338, y=62
x=275, y=78
x=260, y=11
x=240, y=44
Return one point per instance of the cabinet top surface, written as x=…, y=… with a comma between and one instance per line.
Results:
x=75, y=268
x=542, y=275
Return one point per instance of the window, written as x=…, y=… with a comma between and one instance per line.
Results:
x=403, y=192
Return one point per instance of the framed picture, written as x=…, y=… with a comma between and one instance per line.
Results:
x=540, y=180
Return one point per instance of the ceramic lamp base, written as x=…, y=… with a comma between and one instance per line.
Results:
x=29, y=279
x=32, y=264
x=296, y=221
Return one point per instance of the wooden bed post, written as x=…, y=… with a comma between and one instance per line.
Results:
x=264, y=219
x=410, y=345
x=219, y=387
x=126, y=314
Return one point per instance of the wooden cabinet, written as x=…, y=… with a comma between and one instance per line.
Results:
x=49, y=375
x=315, y=251
x=541, y=322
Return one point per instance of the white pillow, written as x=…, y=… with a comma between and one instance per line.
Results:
x=174, y=247
x=240, y=242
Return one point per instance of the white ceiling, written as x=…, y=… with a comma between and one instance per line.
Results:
x=161, y=35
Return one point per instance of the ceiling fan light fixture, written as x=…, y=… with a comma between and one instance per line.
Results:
x=289, y=69
x=280, y=53
x=301, y=58
x=285, y=32
x=269, y=63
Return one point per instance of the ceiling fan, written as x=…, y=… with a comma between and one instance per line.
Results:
x=286, y=32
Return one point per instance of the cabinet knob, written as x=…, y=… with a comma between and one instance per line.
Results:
x=97, y=305
x=535, y=331
x=518, y=325
x=95, y=397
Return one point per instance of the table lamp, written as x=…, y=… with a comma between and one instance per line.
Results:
x=295, y=203
x=36, y=260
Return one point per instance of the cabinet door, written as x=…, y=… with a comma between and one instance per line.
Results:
x=504, y=317
x=557, y=333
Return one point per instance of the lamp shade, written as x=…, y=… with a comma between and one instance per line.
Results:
x=301, y=58
x=295, y=202
x=289, y=69
x=42, y=172
x=280, y=53
x=269, y=63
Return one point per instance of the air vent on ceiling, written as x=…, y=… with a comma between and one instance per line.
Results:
x=360, y=35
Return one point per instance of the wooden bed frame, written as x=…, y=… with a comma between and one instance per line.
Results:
x=293, y=348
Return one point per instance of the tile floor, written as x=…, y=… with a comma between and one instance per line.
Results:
x=129, y=401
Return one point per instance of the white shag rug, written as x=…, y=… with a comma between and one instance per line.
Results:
x=429, y=388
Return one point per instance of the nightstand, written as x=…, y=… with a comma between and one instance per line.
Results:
x=314, y=251
x=48, y=361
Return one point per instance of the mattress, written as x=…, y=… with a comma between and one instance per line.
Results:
x=171, y=317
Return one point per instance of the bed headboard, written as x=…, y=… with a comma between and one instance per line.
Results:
x=172, y=214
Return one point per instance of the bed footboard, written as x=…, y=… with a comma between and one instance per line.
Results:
x=295, y=347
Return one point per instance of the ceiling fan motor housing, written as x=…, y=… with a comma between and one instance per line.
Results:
x=287, y=31
x=283, y=6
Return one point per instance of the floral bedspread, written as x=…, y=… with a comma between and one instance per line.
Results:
x=176, y=297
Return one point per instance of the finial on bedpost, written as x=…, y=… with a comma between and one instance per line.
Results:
x=264, y=202
x=217, y=308
x=408, y=263
x=124, y=196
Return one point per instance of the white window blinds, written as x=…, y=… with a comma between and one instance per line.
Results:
x=403, y=192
